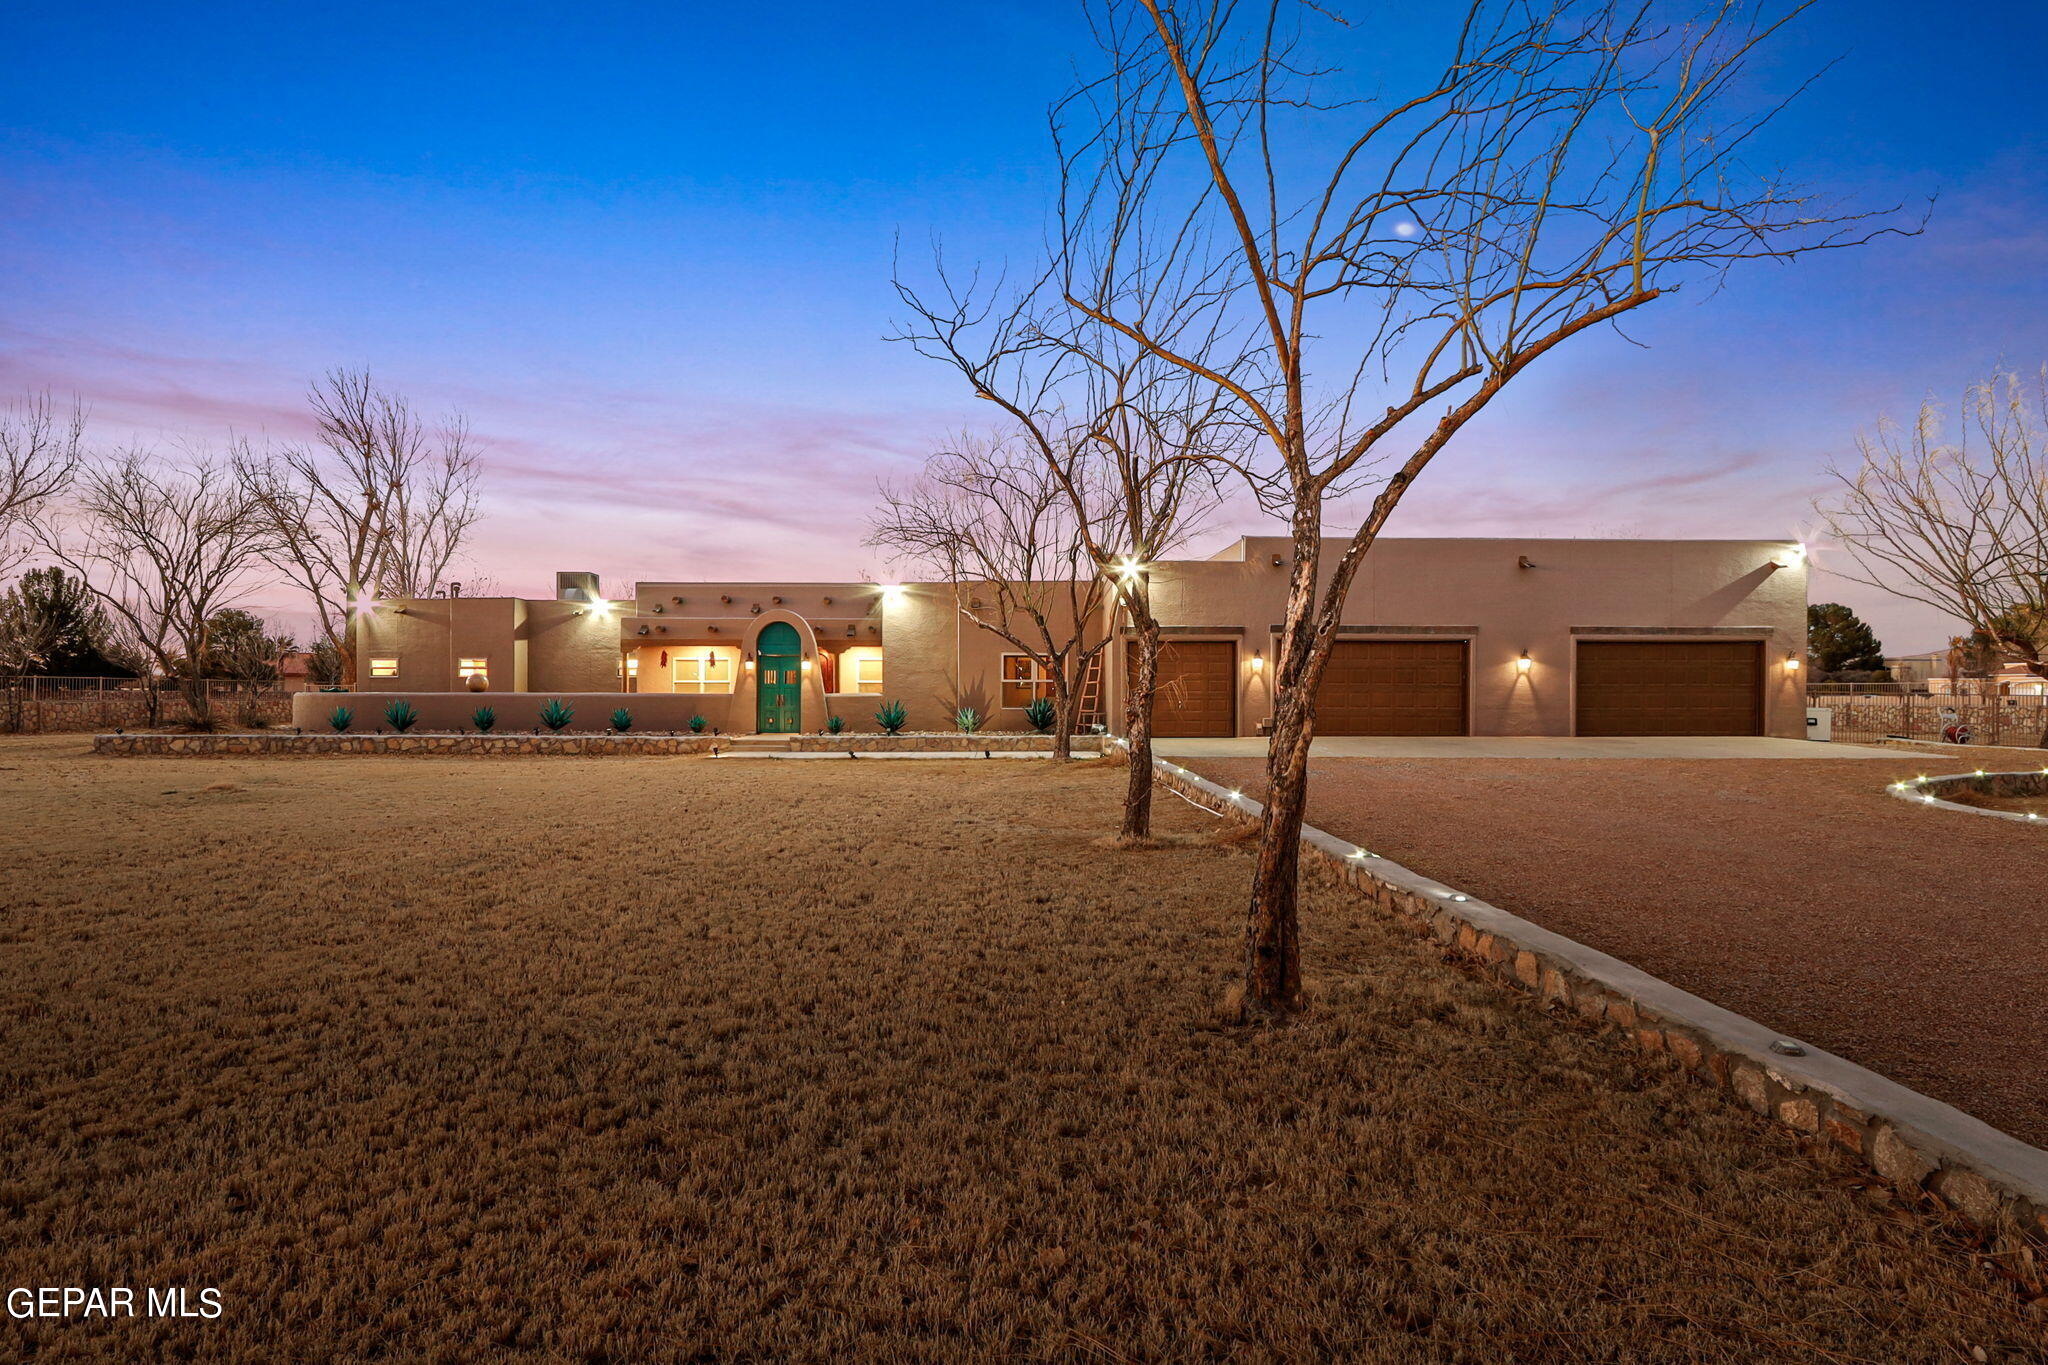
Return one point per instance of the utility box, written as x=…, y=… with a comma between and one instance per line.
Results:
x=1820, y=723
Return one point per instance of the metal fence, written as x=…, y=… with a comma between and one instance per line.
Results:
x=40, y=706
x=1867, y=716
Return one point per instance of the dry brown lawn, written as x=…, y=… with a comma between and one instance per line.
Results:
x=707, y=1060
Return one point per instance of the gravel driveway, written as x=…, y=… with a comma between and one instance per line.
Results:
x=1912, y=941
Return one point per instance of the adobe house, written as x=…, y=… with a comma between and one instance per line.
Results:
x=1440, y=637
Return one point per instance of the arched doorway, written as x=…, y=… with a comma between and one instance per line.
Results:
x=778, y=679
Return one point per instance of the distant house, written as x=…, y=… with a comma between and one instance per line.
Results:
x=1914, y=672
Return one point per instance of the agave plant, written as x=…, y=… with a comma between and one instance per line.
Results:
x=967, y=720
x=697, y=724
x=622, y=721
x=556, y=714
x=1040, y=713
x=483, y=718
x=834, y=724
x=402, y=714
x=892, y=718
x=341, y=719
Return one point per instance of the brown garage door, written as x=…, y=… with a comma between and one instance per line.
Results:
x=1197, y=695
x=1393, y=687
x=1694, y=687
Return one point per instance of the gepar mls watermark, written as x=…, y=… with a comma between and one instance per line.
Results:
x=111, y=1301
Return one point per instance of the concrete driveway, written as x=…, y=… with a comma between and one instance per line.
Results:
x=1528, y=746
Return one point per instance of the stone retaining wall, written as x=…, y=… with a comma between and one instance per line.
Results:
x=1919, y=1144
x=437, y=745
x=1938, y=791
x=951, y=742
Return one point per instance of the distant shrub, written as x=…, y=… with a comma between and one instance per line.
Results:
x=402, y=715
x=556, y=714
x=1041, y=714
x=834, y=724
x=892, y=718
x=697, y=724
x=622, y=721
x=483, y=718
x=967, y=720
x=341, y=719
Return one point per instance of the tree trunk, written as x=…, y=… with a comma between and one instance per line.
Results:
x=1272, y=960
x=1062, y=714
x=1138, y=728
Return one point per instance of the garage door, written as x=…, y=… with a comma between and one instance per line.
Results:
x=1697, y=687
x=1197, y=695
x=1393, y=687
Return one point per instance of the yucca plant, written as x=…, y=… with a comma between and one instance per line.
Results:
x=622, y=721
x=697, y=724
x=341, y=719
x=556, y=714
x=402, y=715
x=892, y=718
x=483, y=718
x=834, y=724
x=1040, y=713
x=967, y=720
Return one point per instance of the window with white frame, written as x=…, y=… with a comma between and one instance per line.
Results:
x=702, y=672
x=384, y=667
x=1025, y=680
x=867, y=674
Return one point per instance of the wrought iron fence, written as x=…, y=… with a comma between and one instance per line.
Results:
x=1867, y=716
x=38, y=706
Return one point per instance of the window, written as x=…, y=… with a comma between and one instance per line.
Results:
x=867, y=674
x=1024, y=681
x=702, y=673
x=465, y=669
x=383, y=668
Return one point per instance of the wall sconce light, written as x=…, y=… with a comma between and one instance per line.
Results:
x=807, y=666
x=750, y=663
x=1258, y=661
x=1791, y=663
x=1792, y=558
x=1523, y=664
x=892, y=593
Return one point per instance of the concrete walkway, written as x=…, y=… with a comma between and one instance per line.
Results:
x=1529, y=746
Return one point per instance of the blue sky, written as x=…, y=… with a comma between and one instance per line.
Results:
x=647, y=249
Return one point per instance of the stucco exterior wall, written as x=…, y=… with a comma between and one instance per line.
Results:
x=935, y=660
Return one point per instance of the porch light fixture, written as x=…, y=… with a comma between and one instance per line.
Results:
x=1258, y=661
x=1523, y=664
x=1792, y=557
x=807, y=667
x=1791, y=663
x=892, y=593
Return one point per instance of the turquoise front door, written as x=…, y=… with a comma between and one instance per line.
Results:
x=778, y=680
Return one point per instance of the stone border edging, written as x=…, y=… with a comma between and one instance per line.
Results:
x=1916, y=791
x=268, y=745
x=1913, y=1140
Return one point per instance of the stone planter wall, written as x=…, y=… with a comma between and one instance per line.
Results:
x=1001, y=741
x=286, y=745
x=1937, y=791
x=1920, y=1145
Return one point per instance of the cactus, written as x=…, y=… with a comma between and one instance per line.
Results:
x=483, y=718
x=1041, y=714
x=892, y=718
x=341, y=719
x=402, y=715
x=556, y=714
x=697, y=724
x=834, y=724
x=967, y=720
x=622, y=721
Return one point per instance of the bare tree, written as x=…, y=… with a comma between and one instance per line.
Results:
x=1133, y=441
x=990, y=518
x=378, y=506
x=40, y=448
x=164, y=547
x=1394, y=262
x=1959, y=525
